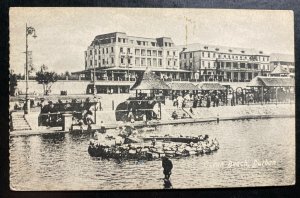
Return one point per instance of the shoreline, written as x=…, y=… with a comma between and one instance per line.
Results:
x=56, y=130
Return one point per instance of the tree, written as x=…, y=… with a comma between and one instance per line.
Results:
x=12, y=83
x=46, y=78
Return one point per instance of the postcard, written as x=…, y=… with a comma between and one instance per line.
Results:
x=144, y=98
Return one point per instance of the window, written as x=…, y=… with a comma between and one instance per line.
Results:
x=149, y=61
x=129, y=61
x=91, y=62
x=168, y=62
x=137, y=61
x=128, y=50
x=148, y=52
x=102, y=50
x=112, y=60
x=160, y=62
x=208, y=54
x=159, y=53
x=121, y=49
x=112, y=49
x=103, y=62
x=122, y=60
x=143, y=61
x=202, y=54
x=191, y=55
x=174, y=53
x=168, y=53
x=208, y=64
x=91, y=52
x=154, y=53
x=95, y=51
x=185, y=55
x=107, y=50
x=153, y=44
x=154, y=62
x=138, y=42
x=143, y=52
x=119, y=40
x=137, y=52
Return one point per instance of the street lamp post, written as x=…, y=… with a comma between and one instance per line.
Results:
x=29, y=31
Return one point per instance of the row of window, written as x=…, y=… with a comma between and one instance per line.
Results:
x=234, y=65
x=138, y=62
x=226, y=56
x=101, y=51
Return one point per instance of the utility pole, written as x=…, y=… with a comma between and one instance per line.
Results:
x=29, y=31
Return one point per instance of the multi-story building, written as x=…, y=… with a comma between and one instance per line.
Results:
x=219, y=63
x=117, y=56
x=282, y=65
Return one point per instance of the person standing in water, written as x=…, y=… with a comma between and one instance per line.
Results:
x=167, y=166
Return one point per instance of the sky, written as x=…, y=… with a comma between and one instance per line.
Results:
x=65, y=33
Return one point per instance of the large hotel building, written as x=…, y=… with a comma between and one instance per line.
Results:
x=117, y=56
x=219, y=63
x=116, y=59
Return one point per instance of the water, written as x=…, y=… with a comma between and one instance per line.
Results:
x=61, y=161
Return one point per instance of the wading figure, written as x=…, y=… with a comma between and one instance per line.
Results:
x=167, y=166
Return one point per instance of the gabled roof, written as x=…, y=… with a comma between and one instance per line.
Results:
x=211, y=86
x=260, y=81
x=182, y=86
x=149, y=81
x=280, y=70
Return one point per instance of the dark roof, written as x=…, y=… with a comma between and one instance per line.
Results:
x=182, y=86
x=211, y=86
x=260, y=81
x=149, y=81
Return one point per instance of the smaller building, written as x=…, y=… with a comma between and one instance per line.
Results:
x=221, y=63
x=282, y=65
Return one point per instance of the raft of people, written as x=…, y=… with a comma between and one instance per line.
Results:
x=133, y=147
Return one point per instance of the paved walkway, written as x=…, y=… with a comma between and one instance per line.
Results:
x=199, y=115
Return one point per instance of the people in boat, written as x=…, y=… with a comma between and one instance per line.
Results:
x=167, y=166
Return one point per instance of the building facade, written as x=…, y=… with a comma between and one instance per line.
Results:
x=219, y=63
x=117, y=56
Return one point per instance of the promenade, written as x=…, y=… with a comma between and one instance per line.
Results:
x=201, y=114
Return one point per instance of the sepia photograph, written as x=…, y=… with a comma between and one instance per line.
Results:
x=150, y=98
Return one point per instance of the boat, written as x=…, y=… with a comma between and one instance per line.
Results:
x=151, y=148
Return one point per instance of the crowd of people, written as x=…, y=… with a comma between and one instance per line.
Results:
x=201, y=99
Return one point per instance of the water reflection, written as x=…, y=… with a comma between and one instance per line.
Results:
x=61, y=161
